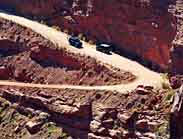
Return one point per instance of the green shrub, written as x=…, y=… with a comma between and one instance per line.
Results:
x=163, y=131
x=64, y=135
x=165, y=81
x=169, y=95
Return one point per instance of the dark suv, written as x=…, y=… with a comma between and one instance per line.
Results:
x=105, y=48
x=75, y=41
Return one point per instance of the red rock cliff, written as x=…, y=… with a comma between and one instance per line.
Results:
x=143, y=27
x=176, y=54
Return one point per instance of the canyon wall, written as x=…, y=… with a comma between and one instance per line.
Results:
x=83, y=114
x=143, y=28
x=176, y=62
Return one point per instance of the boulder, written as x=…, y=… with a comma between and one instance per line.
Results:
x=34, y=126
x=153, y=126
x=5, y=72
x=101, y=112
x=142, y=91
x=142, y=125
x=93, y=136
x=128, y=120
x=115, y=134
x=150, y=135
x=95, y=126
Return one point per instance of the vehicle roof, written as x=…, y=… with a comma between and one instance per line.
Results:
x=105, y=45
x=74, y=37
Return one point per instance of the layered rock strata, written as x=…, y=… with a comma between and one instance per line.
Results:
x=145, y=35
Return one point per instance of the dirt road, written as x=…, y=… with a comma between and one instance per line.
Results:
x=144, y=75
x=119, y=88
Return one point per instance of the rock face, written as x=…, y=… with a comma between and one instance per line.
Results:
x=147, y=33
x=82, y=114
x=176, y=63
x=42, y=62
x=176, y=53
x=176, y=117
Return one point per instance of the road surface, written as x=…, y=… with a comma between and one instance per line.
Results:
x=143, y=74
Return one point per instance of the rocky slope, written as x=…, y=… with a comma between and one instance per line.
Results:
x=44, y=113
x=147, y=33
x=27, y=113
x=27, y=56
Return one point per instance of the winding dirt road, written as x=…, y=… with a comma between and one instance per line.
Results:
x=119, y=88
x=144, y=75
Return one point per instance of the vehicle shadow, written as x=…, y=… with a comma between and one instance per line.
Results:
x=135, y=57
